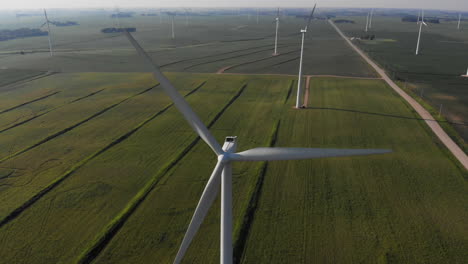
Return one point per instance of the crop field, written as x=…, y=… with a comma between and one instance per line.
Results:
x=13, y=76
x=98, y=166
x=118, y=179
x=206, y=44
x=434, y=75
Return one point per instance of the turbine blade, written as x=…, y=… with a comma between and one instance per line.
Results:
x=424, y=23
x=178, y=100
x=310, y=17
x=269, y=154
x=206, y=200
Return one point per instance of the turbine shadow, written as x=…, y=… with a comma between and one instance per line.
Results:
x=383, y=114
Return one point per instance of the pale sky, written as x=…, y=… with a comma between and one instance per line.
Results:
x=426, y=4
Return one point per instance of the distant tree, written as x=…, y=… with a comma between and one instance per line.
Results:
x=117, y=30
x=341, y=21
x=21, y=33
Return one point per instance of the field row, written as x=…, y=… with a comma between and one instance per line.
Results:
x=122, y=186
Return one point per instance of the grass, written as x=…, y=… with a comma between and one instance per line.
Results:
x=104, y=185
x=169, y=210
x=122, y=187
x=8, y=76
x=36, y=168
x=404, y=207
x=208, y=44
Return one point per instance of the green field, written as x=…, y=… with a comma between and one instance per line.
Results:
x=122, y=186
x=206, y=44
x=435, y=73
x=98, y=166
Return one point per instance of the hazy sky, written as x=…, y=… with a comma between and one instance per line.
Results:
x=428, y=4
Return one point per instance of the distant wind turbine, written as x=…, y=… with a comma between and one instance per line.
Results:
x=370, y=18
x=257, y=16
x=466, y=74
x=299, y=81
x=367, y=22
x=421, y=23
x=276, y=35
x=48, y=33
x=221, y=177
x=459, y=20
x=173, y=31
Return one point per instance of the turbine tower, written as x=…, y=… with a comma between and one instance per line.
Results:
x=367, y=22
x=226, y=155
x=299, y=81
x=459, y=20
x=173, y=32
x=48, y=31
x=421, y=23
x=257, y=15
x=276, y=35
x=370, y=18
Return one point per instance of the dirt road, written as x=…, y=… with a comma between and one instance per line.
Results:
x=433, y=125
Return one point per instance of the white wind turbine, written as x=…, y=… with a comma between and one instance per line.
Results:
x=299, y=82
x=257, y=15
x=226, y=155
x=276, y=35
x=370, y=18
x=367, y=22
x=48, y=32
x=459, y=20
x=421, y=23
x=173, y=32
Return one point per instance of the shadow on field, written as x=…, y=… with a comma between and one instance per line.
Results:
x=384, y=115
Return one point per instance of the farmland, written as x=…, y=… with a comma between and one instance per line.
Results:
x=98, y=166
x=63, y=196
x=206, y=44
x=435, y=74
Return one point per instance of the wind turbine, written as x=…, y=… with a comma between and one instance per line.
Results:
x=48, y=31
x=299, y=82
x=421, y=23
x=367, y=22
x=370, y=18
x=257, y=16
x=466, y=74
x=226, y=155
x=459, y=20
x=173, y=32
x=276, y=35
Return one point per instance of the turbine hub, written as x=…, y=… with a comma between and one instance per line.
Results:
x=223, y=158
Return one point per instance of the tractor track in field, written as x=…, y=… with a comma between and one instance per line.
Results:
x=309, y=75
x=70, y=128
x=103, y=239
x=48, y=111
x=422, y=112
x=254, y=61
x=306, y=92
x=244, y=230
x=291, y=86
x=16, y=212
x=9, y=86
x=285, y=61
x=213, y=55
x=29, y=102
x=232, y=57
